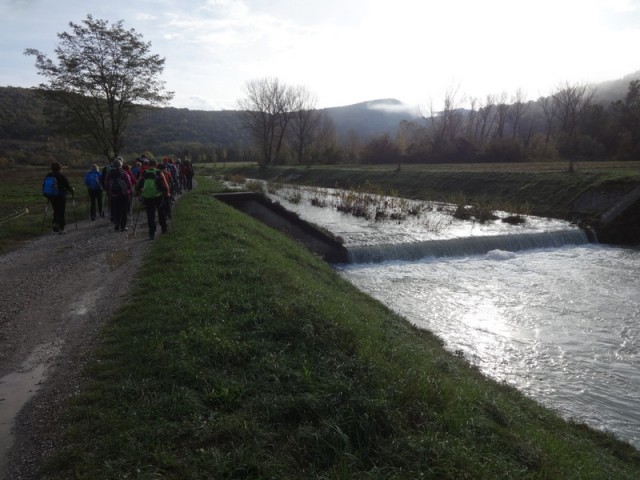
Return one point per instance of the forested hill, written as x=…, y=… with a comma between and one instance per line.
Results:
x=173, y=129
x=26, y=135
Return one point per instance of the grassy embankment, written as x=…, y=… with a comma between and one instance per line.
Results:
x=241, y=355
x=544, y=189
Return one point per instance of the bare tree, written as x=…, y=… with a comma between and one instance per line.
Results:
x=486, y=119
x=548, y=107
x=103, y=75
x=518, y=110
x=446, y=123
x=305, y=122
x=502, y=111
x=472, y=118
x=571, y=104
x=268, y=108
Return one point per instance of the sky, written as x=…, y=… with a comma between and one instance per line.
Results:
x=349, y=51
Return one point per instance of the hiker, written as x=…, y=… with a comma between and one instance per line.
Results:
x=132, y=182
x=135, y=170
x=173, y=171
x=119, y=191
x=144, y=166
x=155, y=191
x=166, y=204
x=182, y=181
x=127, y=171
x=105, y=173
x=93, y=181
x=55, y=187
x=187, y=171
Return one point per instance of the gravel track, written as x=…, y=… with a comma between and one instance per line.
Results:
x=55, y=294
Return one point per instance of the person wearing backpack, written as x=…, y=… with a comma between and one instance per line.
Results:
x=119, y=191
x=93, y=181
x=55, y=188
x=187, y=171
x=175, y=185
x=155, y=191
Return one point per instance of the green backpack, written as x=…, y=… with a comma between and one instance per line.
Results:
x=150, y=187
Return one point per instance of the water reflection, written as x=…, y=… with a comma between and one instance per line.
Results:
x=539, y=321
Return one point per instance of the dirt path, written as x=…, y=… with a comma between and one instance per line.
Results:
x=55, y=294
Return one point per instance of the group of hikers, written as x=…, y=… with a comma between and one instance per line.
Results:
x=156, y=183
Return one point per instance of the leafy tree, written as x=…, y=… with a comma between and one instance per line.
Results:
x=103, y=74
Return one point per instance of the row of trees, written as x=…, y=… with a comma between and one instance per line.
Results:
x=105, y=75
x=571, y=123
x=281, y=118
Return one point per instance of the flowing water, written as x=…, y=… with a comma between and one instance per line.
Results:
x=533, y=305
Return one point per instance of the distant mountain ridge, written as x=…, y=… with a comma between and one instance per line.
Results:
x=22, y=118
x=374, y=117
x=24, y=129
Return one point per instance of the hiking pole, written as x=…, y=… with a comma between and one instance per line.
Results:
x=46, y=207
x=135, y=224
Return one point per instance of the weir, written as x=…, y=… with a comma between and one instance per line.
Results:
x=612, y=209
x=279, y=218
x=333, y=251
x=459, y=247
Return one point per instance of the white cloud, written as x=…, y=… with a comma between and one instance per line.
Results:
x=347, y=52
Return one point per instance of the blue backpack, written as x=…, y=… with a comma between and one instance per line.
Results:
x=94, y=181
x=50, y=187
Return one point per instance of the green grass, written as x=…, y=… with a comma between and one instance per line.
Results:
x=22, y=206
x=243, y=356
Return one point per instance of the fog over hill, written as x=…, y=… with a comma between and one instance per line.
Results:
x=371, y=118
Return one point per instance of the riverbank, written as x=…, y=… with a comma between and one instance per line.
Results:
x=239, y=359
x=544, y=189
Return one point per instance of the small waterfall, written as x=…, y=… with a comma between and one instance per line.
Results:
x=459, y=247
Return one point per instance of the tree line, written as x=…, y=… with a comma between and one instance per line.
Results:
x=104, y=93
x=570, y=124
